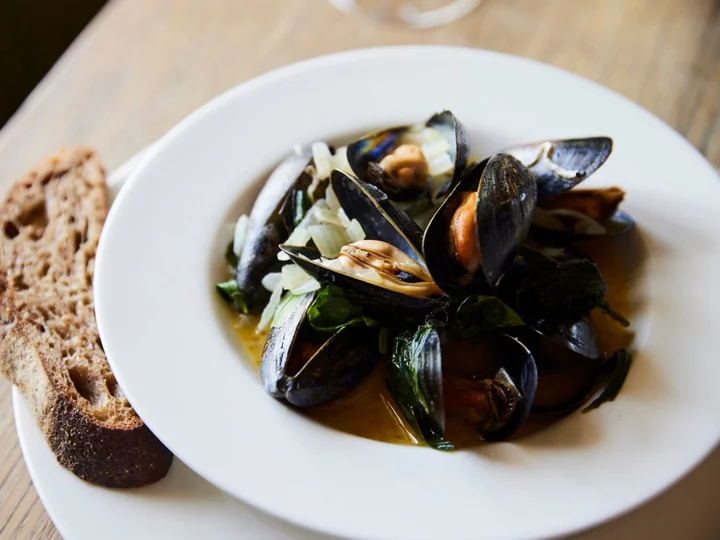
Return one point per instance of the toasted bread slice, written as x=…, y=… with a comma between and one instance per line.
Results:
x=50, y=225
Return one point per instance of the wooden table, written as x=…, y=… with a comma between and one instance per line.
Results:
x=142, y=65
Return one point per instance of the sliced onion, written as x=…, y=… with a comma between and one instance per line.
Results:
x=323, y=159
x=328, y=239
x=271, y=281
x=269, y=311
x=440, y=165
x=343, y=218
x=309, y=286
x=299, y=237
x=340, y=160
x=293, y=276
x=421, y=136
x=240, y=233
x=327, y=217
x=435, y=149
x=332, y=200
x=355, y=231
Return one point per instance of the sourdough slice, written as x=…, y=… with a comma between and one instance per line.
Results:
x=50, y=225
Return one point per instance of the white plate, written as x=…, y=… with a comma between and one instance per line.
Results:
x=186, y=506
x=171, y=348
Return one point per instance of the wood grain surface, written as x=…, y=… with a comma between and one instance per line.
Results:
x=142, y=65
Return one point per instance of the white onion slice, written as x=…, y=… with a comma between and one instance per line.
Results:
x=293, y=276
x=355, y=231
x=328, y=239
x=309, y=286
x=327, y=217
x=269, y=311
x=340, y=160
x=440, y=165
x=421, y=136
x=344, y=219
x=271, y=281
x=323, y=159
x=332, y=200
x=435, y=149
x=299, y=237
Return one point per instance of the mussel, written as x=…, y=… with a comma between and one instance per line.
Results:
x=308, y=368
x=490, y=384
x=267, y=229
x=475, y=234
x=568, y=329
x=582, y=214
x=560, y=165
x=379, y=217
x=386, y=270
x=566, y=379
x=408, y=161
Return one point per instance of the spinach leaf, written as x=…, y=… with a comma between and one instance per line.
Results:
x=331, y=311
x=613, y=376
x=576, y=285
x=230, y=292
x=479, y=314
x=571, y=287
x=230, y=256
x=415, y=383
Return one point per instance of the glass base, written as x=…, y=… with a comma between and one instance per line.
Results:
x=410, y=13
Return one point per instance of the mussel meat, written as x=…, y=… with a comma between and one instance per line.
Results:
x=407, y=161
x=308, y=368
x=489, y=385
x=386, y=270
x=582, y=214
x=475, y=234
x=377, y=276
x=562, y=164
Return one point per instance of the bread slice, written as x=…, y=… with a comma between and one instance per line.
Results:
x=50, y=225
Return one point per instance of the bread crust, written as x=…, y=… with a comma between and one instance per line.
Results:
x=50, y=226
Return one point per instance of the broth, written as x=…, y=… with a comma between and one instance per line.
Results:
x=369, y=411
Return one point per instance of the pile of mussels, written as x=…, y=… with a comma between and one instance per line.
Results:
x=463, y=279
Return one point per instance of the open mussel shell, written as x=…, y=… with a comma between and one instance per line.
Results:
x=505, y=196
x=378, y=216
x=557, y=225
x=308, y=369
x=566, y=379
x=267, y=230
x=582, y=214
x=389, y=307
x=562, y=164
x=519, y=369
x=366, y=153
x=494, y=382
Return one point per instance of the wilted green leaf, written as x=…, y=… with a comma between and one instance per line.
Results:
x=230, y=292
x=331, y=311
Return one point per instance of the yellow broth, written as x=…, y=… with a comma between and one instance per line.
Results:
x=370, y=412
